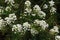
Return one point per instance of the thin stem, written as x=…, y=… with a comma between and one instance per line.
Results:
x=43, y=3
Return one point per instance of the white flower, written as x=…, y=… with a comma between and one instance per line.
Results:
x=1, y=11
x=33, y=14
x=45, y=6
x=53, y=10
x=28, y=3
x=17, y=28
x=37, y=21
x=54, y=29
x=38, y=11
x=11, y=15
x=10, y=1
x=57, y=37
x=28, y=10
x=2, y=23
x=8, y=8
x=36, y=8
x=43, y=24
x=51, y=3
x=8, y=20
x=28, y=7
x=11, y=18
x=14, y=28
x=34, y=31
x=26, y=26
x=41, y=14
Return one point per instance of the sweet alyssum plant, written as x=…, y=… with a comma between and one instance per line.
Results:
x=32, y=24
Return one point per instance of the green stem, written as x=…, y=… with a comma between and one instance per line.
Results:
x=43, y=3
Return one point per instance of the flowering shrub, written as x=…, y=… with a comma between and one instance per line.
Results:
x=34, y=23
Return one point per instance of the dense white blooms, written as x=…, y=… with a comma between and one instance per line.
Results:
x=14, y=28
x=41, y=23
x=28, y=7
x=2, y=23
x=37, y=21
x=8, y=20
x=27, y=3
x=38, y=11
x=26, y=26
x=51, y=3
x=11, y=18
x=10, y=1
x=29, y=15
x=8, y=8
x=57, y=37
x=54, y=29
x=45, y=6
x=17, y=28
x=53, y=10
x=41, y=14
x=36, y=8
x=28, y=10
x=33, y=14
x=34, y=31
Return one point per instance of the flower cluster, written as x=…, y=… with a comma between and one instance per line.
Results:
x=9, y=2
x=17, y=28
x=57, y=37
x=28, y=7
x=34, y=31
x=26, y=26
x=8, y=8
x=2, y=23
x=55, y=29
x=37, y=10
x=33, y=19
x=51, y=3
x=53, y=9
x=45, y=6
x=11, y=18
x=41, y=23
